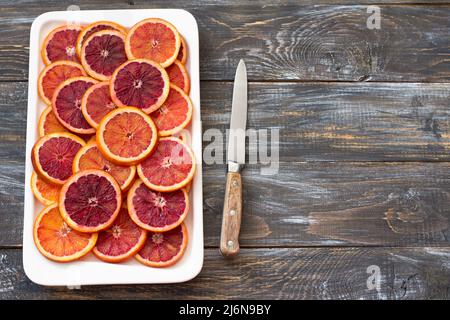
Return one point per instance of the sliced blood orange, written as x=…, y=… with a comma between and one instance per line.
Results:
x=56, y=240
x=66, y=104
x=170, y=167
x=54, y=74
x=90, y=200
x=96, y=27
x=97, y=103
x=183, y=52
x=90, y=157
x=186, y=138
x=126, y=135
x=157, y=211
x=164, y=249
x=154, y=39
x=53, y=154
x=140, y=83
x=102, y=53
x=60, y=44
x=47, y=193
x=179, y=76
x=120, y=241
x=175, y=114
x=48, y=123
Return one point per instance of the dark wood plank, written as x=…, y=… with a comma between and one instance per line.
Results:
x=271, y=274
x=343, y=204
x=282, y=41
x=346, y=122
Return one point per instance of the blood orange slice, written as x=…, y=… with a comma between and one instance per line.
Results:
x=56, y=240
x=164, y=249
x=120, y=241
x=48, y=123
x=183, y=52
x=53, y=154
x=46, y=193
x=66, y=104
x=96, y=27
x=97, y=103
x=153, y=39
x=54, y=74
x=60, y=44
x=170, y=167
x=175, y=114
x=90, y=157
x=179, y=76
x=157, y=211
x=140, y=83
x=126, y=135
x=185, y=136
x=102, y=53
x=90, y=201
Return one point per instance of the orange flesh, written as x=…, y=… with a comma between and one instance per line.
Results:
x=153, y=41
x=168, y=165
x=57, y=238
x=164, y=249
x=178, y=76
x=93, y=159
x=173, y=113
x=182, y=53
x=62, y=45
x=56, y=75
x=127, y=135
x=99, y=103
x=48, y=191
x=51, y=124
x=124, y=237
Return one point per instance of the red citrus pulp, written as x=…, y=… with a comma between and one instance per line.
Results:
x=53, y=154
x=66, y=104
x=170, y=167
x=157, y=211
x=164, y=249
x=90, y=200
x=122, y=240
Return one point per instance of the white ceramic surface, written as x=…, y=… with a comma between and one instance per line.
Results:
x=89, y=270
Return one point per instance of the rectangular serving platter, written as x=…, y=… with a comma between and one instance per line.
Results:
x=89, y=270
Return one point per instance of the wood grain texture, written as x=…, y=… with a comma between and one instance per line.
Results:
x=337, y=204
x=231, y=215
x=308, y=273
x=345, y=122
x=283, y=41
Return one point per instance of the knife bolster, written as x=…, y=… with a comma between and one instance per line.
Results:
x=234, y=166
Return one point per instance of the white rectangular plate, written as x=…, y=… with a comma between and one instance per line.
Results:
x=89, y=270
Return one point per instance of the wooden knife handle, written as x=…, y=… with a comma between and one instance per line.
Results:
x=232, y=212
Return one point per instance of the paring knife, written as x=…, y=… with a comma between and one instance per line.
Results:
x=232, y=206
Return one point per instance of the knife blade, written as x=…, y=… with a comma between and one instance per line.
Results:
x=232, y=205
x=236, y=136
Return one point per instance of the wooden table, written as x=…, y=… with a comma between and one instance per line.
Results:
x=364, y=176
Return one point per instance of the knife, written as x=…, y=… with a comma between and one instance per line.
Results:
x=232, y=205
